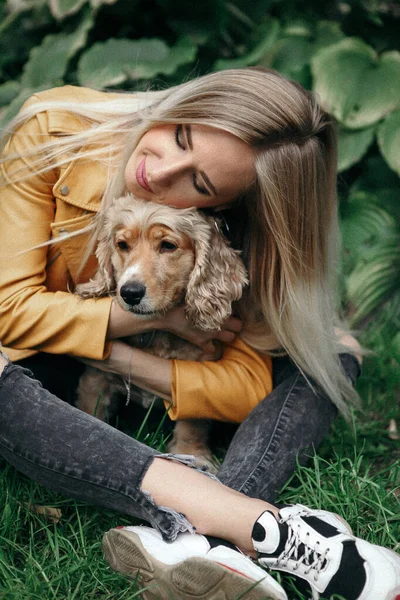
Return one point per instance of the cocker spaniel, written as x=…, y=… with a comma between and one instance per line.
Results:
x=152, y=258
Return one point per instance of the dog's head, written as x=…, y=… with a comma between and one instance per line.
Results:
x=154, y=257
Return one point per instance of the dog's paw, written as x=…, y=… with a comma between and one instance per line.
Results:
x=202, y=461
x=203, y=458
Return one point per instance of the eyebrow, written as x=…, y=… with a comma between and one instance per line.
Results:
x=204, y=176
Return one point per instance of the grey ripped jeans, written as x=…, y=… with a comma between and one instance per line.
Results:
x=75, y=454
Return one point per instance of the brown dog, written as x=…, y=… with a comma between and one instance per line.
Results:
x=155, y=257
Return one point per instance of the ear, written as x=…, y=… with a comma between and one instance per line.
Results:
x=103, y=282
x=217, y=280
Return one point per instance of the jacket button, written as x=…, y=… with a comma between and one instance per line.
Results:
x=64, y=190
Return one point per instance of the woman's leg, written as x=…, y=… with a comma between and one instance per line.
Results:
x=81, y=457
x=75, y=454
x=280, y=431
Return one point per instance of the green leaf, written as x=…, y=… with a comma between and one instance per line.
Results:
x=354, y=84
x=268, y=35
x=371, y=254
x=327, y=34
x=98, y=3
x=301, y=41
x=14, y=107
x=60, y=9
x=200, y=24
x=364, y=225
x=370, y=284
x=65, y=8
x=8, y=91
x=48, y=62
x=118, y=60
x=293, y=53
x=396, y=346
x=353, y=144
x=389, y=140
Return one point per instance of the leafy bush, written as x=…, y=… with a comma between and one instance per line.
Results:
x=348, y=52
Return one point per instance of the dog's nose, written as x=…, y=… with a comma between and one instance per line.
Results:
x=132, y=293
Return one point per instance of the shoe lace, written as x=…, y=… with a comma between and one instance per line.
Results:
x=301, y=552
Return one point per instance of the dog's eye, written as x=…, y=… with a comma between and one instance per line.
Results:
x=122, y=245
x=167, y=246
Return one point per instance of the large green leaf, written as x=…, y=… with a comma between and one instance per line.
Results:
x=48, y=62
x=327, y=33
x=299, y=43
x=97, y=3
x=8, y=91
x=353, y=144
x=389, y=140
x=64, y=8
x=396, y=347
x=116, y=61
x=373, y=282
x=364, y=225
x=293, y=53
x=60, y=9
x=354, y=84
x=200, y=24
x=13, y=108
x=268, y=35
x=371, y=243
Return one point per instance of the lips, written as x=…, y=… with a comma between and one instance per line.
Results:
x=141, y=176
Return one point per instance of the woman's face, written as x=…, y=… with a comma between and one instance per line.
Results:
x=190, y=165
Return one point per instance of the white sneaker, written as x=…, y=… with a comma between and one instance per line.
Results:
x=318, y=547
x=193, y=566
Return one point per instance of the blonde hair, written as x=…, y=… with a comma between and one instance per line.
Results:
x=290, y=245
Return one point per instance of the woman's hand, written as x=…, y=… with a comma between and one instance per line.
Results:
x=176, y=322
x=122, y=323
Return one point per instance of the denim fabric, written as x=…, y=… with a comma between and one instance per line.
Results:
x=283, y=429
x=77, y=455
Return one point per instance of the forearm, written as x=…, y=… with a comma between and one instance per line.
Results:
x=147, y=371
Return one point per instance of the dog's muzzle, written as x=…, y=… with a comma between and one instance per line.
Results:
x=132, y=293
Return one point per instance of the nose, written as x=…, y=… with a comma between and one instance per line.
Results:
x=168, y=169
x=132, y=293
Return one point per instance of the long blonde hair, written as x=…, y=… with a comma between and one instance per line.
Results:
x=291, y=241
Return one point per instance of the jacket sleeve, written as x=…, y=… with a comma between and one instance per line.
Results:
x=224, y=390
x=31, y=316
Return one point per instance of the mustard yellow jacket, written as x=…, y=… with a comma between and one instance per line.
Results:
x=37, y=310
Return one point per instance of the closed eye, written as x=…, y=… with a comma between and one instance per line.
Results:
x=179, y=137
x=198, y=187
x=166, y=246
x=182, y=142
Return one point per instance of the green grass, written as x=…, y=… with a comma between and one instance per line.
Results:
x=356, y=473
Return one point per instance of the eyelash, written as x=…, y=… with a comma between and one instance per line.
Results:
x=178, y=131
x=200, y=189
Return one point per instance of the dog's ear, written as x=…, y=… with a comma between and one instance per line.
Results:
x=103, y=282
x=217, y=280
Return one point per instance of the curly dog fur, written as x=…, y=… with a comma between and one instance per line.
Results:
x=151, y=258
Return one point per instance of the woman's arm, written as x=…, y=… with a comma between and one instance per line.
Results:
x=122, y=323
x=225, y=390
x=32, y=316
x=147, y=371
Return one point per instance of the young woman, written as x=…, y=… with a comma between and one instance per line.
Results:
x=246, y=140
